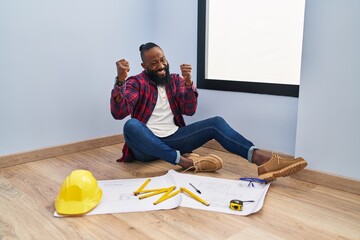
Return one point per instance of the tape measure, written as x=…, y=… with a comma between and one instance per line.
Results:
x=236, y=205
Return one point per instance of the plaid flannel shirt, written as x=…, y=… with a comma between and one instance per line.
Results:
x=138, y=97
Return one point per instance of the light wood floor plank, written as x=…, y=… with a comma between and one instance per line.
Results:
x=293, y=209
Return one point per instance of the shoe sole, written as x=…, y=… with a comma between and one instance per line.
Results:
x=284, y=172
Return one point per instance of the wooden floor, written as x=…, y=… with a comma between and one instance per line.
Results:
x=293, y=209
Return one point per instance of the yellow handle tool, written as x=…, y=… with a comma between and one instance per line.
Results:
x=236, y=205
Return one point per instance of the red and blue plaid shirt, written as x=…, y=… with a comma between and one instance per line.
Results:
x=138, y=97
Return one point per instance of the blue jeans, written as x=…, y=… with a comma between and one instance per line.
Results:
x=147, y=147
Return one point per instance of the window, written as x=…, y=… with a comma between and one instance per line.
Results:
x=250, y=45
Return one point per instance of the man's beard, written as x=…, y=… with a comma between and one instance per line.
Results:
x=159, y=81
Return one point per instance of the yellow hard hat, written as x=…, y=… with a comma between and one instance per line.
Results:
x=79, y=193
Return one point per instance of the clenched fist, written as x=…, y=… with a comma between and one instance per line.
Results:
x=186, y=73
x=122, y=69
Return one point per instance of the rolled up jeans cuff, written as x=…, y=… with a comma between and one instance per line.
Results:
x=250, y=153
x=177, y=160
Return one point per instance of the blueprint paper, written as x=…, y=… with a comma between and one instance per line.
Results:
x=118, y=195
x=219, y=192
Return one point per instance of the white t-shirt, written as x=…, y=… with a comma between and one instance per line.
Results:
x=161, y=122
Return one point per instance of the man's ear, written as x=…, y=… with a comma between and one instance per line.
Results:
x=143, y=65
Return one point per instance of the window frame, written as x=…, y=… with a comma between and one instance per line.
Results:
x=230, y=85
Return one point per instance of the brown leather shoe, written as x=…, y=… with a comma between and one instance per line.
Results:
x=280, y=167
x=207, y=163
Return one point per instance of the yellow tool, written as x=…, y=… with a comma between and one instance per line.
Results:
x=149, y=191
x=153, y=193
x=191, y=194
x=236, y=205
x=142, y=186
x=168, y=193
x=164, y=196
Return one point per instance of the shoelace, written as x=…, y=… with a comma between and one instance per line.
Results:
x=196, y=166
x=277, y=157
x=188, y=169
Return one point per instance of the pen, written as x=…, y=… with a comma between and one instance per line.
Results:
x=197, y=190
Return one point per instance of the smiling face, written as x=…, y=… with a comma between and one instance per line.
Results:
x=156, y=65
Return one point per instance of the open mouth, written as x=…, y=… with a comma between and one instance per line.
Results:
x=161, y=73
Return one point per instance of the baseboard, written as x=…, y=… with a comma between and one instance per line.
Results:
x=312, y=176
x=329, y=180
x=316, y=177
x=35, y=155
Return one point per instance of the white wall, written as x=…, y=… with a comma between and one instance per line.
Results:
x=328, y=131
x=57, y=65
x=329, y=106
x=269, y=121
